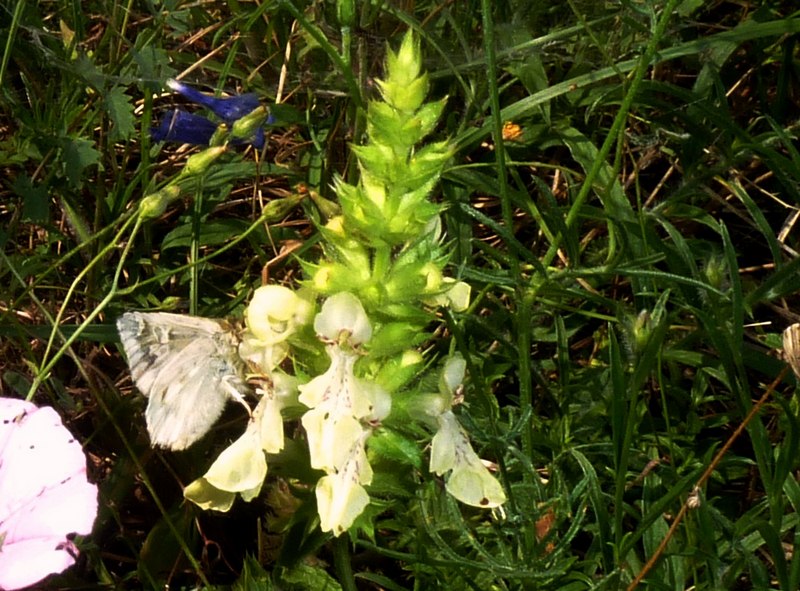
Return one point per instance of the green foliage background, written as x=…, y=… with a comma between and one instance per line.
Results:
x=623, y=201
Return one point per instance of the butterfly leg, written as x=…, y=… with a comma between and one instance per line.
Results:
x=235, y=394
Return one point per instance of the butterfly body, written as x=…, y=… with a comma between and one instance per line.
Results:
x=188, y=368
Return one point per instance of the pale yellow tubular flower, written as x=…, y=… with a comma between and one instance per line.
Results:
x=444, y=443
x=268, y=411
x=339, y=502
x=473, y=484
x=380, y=401
x=340, y=496
x=274, y=313
x=469, y=480
x=242, y=465
x=330, y=438
x=343, y=314
x=240, y=469
x=455, y=368
x=266, y=357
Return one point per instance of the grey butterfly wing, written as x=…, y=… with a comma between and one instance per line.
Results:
x=188, y=367
x=791, y=347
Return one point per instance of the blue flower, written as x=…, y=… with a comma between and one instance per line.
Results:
x=229, y=109
x=187, y=128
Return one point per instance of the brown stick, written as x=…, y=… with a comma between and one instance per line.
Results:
x=702, y=480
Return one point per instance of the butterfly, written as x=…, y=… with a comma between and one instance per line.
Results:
x=44, y=494
x=791, y=347
x=188, y=367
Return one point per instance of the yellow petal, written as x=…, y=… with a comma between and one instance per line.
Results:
x=339, y=501
x=474, y=485
x=267, y=415
x=330, y=438
x=241, y=466
x=342, y=313
x=448, y=438
x=206, y=496
x=272, y=313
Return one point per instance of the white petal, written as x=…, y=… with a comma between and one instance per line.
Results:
x=453, y=374
x=343, y=313
x=338, y=389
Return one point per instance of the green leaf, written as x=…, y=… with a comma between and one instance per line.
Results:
x=35, y=200
x=392, y=445
x=305, y=577
x=120, y=110
x=253, y=577
x=161, y=549
x=153, y=62
x=77, y=154
x=217, y=232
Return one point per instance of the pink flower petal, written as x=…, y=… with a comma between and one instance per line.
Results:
x=24, y=563
x=44, y=494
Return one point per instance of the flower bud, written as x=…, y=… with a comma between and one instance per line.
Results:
x=155, y=204
x=199, y=163
x=245, y=128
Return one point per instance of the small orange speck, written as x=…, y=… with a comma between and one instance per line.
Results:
x=511, y=131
